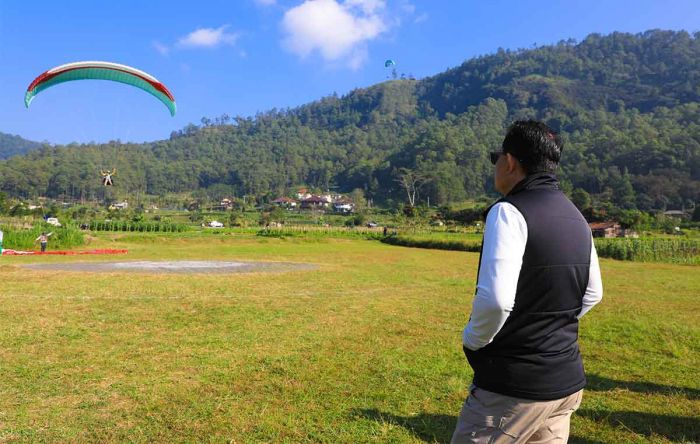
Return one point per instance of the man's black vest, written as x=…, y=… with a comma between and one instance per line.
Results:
x=535, y=355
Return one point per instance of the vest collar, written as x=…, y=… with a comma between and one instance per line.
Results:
x=536, y=181
x=539, y=181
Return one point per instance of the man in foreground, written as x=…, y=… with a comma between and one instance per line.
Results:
x=538, y=275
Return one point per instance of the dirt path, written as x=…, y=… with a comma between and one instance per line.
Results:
x=175, y=267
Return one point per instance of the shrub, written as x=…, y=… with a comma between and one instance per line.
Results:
x=149, y=227
x=24, y=238
x=678, y=251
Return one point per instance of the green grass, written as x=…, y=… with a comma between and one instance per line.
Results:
x=364, y=349
x=437, y=242
x=649, y=249
x=25, y=238
x=146, y=226
x=312, y=231
x=674, y=250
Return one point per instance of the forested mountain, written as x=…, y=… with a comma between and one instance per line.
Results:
x=627, y=105
x=12, y=145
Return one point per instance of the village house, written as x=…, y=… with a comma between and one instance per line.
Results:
x=611, y=229
x=303, y=193
x=119, y=206
x=285, y=202
x=314, y=203
x=605, y=229
x=676, y=213
x=343, y=205
x=225, y=204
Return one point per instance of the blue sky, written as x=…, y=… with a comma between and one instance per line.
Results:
x=240, y=57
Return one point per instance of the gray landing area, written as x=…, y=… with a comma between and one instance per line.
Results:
x=220, y=267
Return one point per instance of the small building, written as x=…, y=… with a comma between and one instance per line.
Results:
x=226, y=204
x=343, y=205
x=314, y=203
x=119, y=206
x=627, y=232
x=303, y=193
x=676, y=213
x=285, y=202
x=605, y=229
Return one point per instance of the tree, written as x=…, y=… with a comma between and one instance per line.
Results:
x=237, y=219
x=581, y=199
x=4, y=205
x=278, y=215
x=644, y=127
x=358, y=198
x=411, y=181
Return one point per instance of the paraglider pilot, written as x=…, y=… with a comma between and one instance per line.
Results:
x=44, y=240
x=107, y=177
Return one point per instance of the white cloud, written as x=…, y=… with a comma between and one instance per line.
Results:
x=338, y=31
x=421, y=18
x=161, y=48
x=408, y=7
x=367, y=6
x=265, y=2
x=208, y=38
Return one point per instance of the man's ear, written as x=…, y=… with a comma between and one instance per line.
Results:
x=512, y=163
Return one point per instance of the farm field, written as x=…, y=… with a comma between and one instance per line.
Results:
x=363, y=348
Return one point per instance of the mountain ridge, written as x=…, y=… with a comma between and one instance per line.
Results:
x=627, y=106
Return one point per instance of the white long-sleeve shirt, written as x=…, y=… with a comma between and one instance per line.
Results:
x=505, y=237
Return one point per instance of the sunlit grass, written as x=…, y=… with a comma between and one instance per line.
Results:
x=366, y=348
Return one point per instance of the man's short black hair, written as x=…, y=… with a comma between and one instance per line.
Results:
x=537, y=146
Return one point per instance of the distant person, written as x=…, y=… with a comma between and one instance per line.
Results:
x=1, y=237
x=107, y=177
x=538, y=275
x=44, y=240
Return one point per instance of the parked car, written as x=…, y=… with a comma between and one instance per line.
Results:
x=372, y=225
x=53, y=221
x=216, y=224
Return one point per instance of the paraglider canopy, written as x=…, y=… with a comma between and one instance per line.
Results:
x=101, y=71
x=389, y=63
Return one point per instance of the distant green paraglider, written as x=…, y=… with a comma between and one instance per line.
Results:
x=389, y=63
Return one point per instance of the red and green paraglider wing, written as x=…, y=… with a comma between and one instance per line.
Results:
x=101, y=71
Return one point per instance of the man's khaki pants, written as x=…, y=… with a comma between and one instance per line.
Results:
x=492, y=418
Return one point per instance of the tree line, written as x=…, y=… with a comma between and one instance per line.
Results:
x=628, y=107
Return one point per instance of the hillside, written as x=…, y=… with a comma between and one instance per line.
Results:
x=12, y=145
x=627, y=105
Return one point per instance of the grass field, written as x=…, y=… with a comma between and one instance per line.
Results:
x=366, y=348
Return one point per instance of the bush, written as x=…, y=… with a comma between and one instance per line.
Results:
x=465, y=216
x=677, y=251
x=24, y=239
x=437, y=244
x=142, y=227
x=315, y=231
